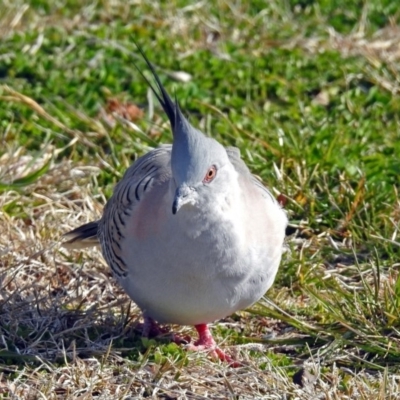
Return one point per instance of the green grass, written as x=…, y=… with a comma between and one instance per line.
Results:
x=309, y=92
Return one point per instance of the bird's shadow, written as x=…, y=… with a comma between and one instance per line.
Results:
x=72, y=310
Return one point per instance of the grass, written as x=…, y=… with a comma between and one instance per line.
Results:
x=309, y=91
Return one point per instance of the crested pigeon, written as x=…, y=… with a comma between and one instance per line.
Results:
x=189, y=233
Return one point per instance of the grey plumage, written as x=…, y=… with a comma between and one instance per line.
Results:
x=190, y=233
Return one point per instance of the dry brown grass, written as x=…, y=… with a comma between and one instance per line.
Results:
x=67, y=331
x=63, y=313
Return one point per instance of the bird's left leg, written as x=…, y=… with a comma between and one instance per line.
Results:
x=207, y=342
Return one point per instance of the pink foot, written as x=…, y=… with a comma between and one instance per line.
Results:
x=151, y=329
x=207, y=342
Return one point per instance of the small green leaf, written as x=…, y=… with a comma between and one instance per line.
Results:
x=26, y=180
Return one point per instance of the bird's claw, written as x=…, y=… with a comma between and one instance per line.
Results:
x=216, y=353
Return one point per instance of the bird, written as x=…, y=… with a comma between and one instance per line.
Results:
x=190, y=234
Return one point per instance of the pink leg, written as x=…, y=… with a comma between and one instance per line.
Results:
x=151, y=329
x=207, y=342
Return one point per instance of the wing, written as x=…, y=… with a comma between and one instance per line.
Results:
x=140, y=179
x=147, y=172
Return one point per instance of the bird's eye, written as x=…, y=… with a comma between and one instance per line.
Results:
x=210, y=175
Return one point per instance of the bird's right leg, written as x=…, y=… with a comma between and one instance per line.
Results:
x=151, y=329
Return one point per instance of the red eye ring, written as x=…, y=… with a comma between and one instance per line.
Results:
x=210, y=175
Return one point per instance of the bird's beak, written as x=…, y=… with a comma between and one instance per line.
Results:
x=183, y=195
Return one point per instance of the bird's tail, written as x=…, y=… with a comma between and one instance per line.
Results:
x=83, y=236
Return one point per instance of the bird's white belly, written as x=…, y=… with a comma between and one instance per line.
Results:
x=172, y=285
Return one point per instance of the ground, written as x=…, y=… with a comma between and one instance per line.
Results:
x=309, y=92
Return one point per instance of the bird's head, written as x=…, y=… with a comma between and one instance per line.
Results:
x=201, y=168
